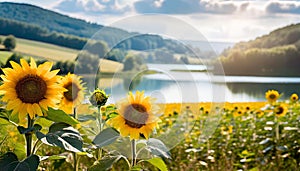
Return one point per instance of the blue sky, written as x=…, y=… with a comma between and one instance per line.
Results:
x=216, y=20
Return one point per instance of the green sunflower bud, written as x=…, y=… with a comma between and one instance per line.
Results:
x=98, y=98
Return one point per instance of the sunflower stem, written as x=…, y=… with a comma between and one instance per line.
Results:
x=74, y=113
x=28, y=137
x=133, y=149
x=74, y=153
x=99, y=117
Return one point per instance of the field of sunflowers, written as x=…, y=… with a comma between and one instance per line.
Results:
x=45, y=126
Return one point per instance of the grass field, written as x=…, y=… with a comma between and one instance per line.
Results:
x=45, y=50
x=40, y=50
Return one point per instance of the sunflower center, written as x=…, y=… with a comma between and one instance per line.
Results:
x=31, y=89
x=279, y=110
x=135, y=115
x=272, y=96
x=72, y=91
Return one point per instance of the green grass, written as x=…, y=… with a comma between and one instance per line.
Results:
x=42, y=50
x=4, y=55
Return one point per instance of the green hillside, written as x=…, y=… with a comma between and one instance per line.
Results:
x=275, y=54
x=48, y=19
x=35, y=23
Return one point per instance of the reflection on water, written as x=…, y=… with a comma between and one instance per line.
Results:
x=170, y=86
x=256, y=91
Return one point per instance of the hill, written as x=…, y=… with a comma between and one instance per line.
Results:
x=275, y=54
x=50, y=20
x=35, y=23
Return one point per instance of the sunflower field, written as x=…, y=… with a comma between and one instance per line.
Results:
x=51, y=122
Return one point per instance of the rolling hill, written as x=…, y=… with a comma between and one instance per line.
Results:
x=35, y=23
x=274, y=54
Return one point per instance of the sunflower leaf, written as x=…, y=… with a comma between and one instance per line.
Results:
x=62, y=135
x=23, y=130
x=158, y=148
x=60, y=116
x=159, y=163
x=10, y=162
x=106, y=137
x=105, y=163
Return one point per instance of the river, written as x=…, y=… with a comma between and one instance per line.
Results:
x=169, y=86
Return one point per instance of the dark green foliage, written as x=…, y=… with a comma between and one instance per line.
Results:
x=129, y=63
x=14, y=57
x=116, y=55
x=87, y=63
x=99, y=48
x=21, y=20
x=64, y=67
x=164, y=56
x=275, y=54
x=184, y=59
x=133, y=63
x=10, y=42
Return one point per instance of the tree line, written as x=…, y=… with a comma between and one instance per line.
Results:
x=275, y=54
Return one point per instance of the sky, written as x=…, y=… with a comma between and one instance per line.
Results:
x=215, y=20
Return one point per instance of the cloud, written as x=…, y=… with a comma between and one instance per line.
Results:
x=93, y=6
x=292, y=7
x=186, y=6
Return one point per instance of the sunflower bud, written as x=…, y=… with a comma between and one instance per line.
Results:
x=98, y=98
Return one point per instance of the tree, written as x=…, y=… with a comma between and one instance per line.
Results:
x=99, y=48
x=129, y=63
x=184, y=59
x=10, y=42
x=87, y=63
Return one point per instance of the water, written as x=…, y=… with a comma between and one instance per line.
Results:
x=177, y=87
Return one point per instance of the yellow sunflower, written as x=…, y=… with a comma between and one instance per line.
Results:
x=280, y=110
x=272, y=95
x=30, y=89
x=294, y=97
x=226, y=130
x=238, y=113
x=74, y=94
x=136, y=116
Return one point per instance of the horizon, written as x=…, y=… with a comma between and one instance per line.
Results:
x=218, y=21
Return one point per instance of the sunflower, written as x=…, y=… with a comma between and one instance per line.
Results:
x=136, y=116
x=30, y=89
x=294, y=97
x=226, y=130
x=98, y=98
x=280, y=110
x=272, y=95
x=238, y=113
x=74, y=94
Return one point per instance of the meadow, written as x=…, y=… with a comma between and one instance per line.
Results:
x=253, y=136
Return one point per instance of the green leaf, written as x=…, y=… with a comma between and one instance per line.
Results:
x=157, y=147
x=23, y=130
x=136, y=168
x=10, y=162
x=7, y=159
x=60, y=116
x=111, y=115
x=54, y=157
x=62, y=135
x=105, y=163
x=158, y=163
x=84, y=118
x=106, y=137
x=4, y=119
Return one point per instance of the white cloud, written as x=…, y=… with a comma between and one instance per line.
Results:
x=93, y=7
x=284, y=7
